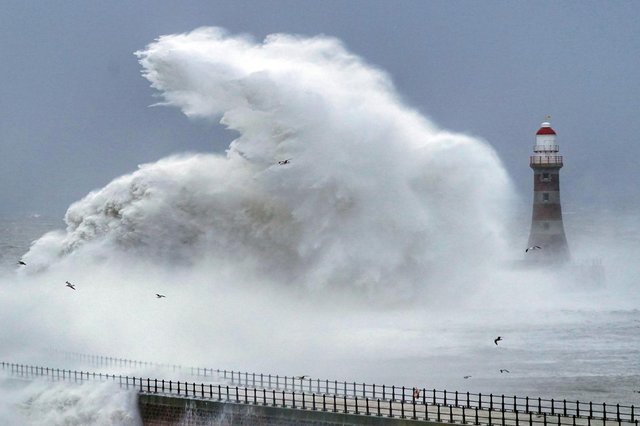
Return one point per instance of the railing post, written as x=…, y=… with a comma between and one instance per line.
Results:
x=273, y=393
x=264, y=397
x=367, y=405
x=345, y=403
x=553, y=407
x=324, y=402
x=502, y=411
x=335, y=409
x=479, y=401
x=390, y=409
x=379, y=414
x=313, y=403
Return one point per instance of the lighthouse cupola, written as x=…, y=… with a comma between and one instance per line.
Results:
x=547, y=229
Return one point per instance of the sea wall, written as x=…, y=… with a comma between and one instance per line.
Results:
x=157, y=410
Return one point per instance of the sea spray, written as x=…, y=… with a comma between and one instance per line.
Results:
x=44, y=403
x=370, y=194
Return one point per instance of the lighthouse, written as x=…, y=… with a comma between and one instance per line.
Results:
x=547, y=230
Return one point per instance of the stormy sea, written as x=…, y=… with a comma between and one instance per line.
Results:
x=342, y=236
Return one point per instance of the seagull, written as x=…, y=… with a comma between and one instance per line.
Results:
x=497, y=339
x=503, y=370
x=160, y=296
x=20, y=262
x=466, y=377
x=71, y=286
x=283, y=162
x=300, y=377
x=532, y=248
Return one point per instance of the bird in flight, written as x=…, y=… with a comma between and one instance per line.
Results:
x=497, y=339
x=20, y=262
x=71, y=286
x=466, y=377
x=160, y=296
x=532, y=248
x=502, y=370
x=283, y=162
x=300, y=377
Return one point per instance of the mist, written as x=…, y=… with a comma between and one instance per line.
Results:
x=383, y=249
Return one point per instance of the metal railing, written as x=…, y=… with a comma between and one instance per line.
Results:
x=423, y=404
x=546, y=160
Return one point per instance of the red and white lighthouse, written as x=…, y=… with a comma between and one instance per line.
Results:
x=547, y=230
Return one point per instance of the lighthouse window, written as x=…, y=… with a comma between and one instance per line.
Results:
x=545, y=196
x=545, y=177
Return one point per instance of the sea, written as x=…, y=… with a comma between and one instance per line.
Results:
x=586, y=352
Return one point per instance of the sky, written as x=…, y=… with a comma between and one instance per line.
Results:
x=75, y=111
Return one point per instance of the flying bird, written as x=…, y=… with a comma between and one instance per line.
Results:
x=466, y=377
x=160, y=296
x=532, y=248
x=20, y=262
x=283, y=162
x=503, y=370
x=300, y=377
x=71, y=286
x=497, y=339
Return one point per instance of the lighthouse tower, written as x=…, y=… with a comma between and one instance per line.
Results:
x=547, y=230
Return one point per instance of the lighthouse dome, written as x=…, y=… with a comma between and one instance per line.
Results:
x=545, y=129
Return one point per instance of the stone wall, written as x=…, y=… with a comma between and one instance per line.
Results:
x=158, y=410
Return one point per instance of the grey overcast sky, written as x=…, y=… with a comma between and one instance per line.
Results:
x=74, y=109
